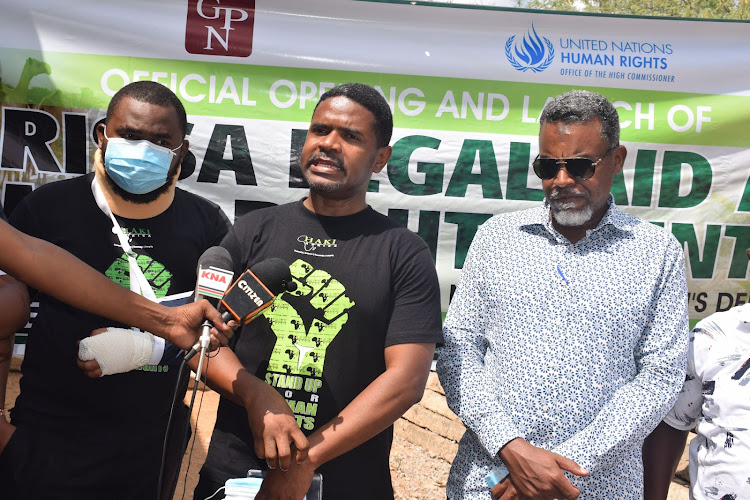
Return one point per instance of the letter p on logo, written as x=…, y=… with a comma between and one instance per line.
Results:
x=220, y=27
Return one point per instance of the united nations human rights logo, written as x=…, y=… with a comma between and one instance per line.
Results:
x=533, y=52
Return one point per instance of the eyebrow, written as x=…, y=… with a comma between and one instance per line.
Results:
x=353, y=131
x=348, y=130
x=137, y=131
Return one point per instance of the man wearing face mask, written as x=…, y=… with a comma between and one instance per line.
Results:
x=77, y=437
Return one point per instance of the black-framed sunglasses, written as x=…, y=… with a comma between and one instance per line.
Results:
x=579, y=168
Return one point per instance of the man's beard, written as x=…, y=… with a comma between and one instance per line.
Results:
x=563, y=213
x=141, y=199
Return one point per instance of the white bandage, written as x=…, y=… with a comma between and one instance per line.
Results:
x=118, y=350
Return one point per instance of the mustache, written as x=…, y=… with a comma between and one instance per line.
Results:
x=557, y=193
x=323, y=156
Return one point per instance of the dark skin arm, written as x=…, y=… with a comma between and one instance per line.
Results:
x=14, y=298
x=276, y=434
x=662, y=450
x=373, y=410
x=51, y=270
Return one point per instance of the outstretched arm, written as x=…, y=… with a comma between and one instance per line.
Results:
x=59, y=274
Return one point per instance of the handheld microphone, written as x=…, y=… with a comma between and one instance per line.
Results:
x=214, y=276
x=253, y=292
x=119, y=350
x=256, y=289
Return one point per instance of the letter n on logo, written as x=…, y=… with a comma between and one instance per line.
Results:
x=220, y=27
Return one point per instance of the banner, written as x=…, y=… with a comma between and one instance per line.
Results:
x=466, y=86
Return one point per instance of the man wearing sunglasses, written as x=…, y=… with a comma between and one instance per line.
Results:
x=565, y=342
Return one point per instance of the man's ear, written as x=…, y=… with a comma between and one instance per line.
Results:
x=184, y=150
x=100, y=134
x=619, y=154
x=384, y=154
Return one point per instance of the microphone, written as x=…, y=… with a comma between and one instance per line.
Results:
x=214, y=276
x=253, y=292
x=119, y=350
x=256, y=289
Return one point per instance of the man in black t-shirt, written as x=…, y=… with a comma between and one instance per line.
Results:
x=76, y=437
x=349, y=351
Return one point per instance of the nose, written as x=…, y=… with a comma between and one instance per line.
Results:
x=563, y=178
x=330, y=142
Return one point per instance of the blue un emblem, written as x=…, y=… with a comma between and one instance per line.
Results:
x=533, y=52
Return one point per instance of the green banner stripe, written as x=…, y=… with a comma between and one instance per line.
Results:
x=420, y=102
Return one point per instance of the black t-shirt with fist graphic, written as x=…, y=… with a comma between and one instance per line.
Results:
x=363, y=284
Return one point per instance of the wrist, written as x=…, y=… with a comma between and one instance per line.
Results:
x=509, y=448
x=313, y=459
x=166, y=318
x=513, y=451
x=316, y=452
x=247, y=390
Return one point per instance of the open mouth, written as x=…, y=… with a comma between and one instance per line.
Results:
x=325, y=164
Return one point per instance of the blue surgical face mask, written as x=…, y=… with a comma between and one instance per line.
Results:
x=138, y=167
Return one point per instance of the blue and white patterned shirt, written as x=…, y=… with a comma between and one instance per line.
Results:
x=577, y=348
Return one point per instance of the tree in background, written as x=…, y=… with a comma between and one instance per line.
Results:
x=710, y=9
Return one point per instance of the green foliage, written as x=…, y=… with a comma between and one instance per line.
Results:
x=705, y=9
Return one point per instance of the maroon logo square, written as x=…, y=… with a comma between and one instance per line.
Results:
x=220, y=27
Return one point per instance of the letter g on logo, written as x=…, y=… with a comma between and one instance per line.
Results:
x=220, y=27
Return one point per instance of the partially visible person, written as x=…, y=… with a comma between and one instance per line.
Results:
x=715, y=399
x=15, y=298
x=350, y=350
x=566, y=338
x=77, y=437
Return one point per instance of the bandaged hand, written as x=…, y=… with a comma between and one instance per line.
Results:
x=118, y=350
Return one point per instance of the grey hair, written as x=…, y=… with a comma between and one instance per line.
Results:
x=579, y=106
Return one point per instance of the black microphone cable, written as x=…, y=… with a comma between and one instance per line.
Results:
x=186, y=436
x=175, y=401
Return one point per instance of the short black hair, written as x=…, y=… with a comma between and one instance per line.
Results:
x=578, y=106
x=370, y=99
x=152, y=93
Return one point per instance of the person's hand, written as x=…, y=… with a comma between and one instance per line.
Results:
x=290, y=485
x=183, y=325
x=538, y=473
x=276, y=434
x=6, y=431
x=91, y=368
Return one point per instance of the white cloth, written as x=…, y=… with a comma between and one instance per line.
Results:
x=716, y=395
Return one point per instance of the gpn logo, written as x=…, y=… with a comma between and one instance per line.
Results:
x=533, y=52
x=220, y=27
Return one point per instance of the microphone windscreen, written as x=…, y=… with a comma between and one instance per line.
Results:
x=273, y=273
x=216, y=257
x=215, y=273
